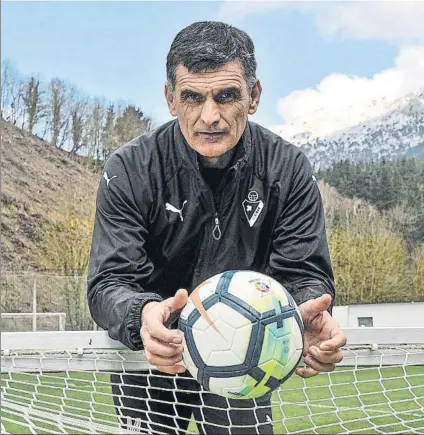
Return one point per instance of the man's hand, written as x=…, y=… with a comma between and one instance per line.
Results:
x=163, y=346
x=323, y=338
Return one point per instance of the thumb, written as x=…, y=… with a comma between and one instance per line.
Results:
x=177, y=302
x=316, y=306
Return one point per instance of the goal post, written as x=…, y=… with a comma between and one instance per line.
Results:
x=59, y=382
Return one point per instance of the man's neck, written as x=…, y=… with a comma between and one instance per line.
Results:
x=220, y=162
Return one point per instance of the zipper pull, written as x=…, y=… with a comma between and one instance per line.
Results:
x=216, y=233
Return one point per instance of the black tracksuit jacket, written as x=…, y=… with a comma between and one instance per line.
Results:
x=159, y=227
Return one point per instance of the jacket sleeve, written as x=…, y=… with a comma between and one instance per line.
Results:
x=300, y=258
x=118, y=264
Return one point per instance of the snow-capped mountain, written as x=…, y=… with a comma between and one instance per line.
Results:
x=397, y=131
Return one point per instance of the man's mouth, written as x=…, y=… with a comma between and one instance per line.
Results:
x=211, y=133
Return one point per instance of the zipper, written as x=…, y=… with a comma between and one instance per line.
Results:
x=216, y=232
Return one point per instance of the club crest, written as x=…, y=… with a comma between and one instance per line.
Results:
x=252, y=207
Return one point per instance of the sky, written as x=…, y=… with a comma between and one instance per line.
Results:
x=311, y=55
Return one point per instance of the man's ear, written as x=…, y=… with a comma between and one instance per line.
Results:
x=170, y=99
x=255, y=97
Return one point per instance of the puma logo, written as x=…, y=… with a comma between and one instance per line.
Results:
x=170, y=207
x=108, y=180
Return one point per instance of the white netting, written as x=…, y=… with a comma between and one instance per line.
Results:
x=374, y=391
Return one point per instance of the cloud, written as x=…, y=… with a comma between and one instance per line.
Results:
x=339, y=100
x=394, y=20
x=236, y=11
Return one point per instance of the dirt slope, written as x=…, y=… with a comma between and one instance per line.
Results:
x=37, y=180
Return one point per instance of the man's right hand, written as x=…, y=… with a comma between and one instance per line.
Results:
x=163, y=347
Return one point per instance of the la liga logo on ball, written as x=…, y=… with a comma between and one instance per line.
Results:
x=261, y=286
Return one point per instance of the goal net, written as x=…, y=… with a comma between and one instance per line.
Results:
x=60, y=382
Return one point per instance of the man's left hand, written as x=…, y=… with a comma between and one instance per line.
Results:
x=323, y=338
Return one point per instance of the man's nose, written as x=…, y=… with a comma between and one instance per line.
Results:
x=210, y=113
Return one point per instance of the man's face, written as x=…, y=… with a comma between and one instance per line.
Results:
x=212, y=107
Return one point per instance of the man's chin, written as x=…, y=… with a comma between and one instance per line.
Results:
x=213, y=148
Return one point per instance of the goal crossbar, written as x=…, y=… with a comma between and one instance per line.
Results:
x=356, y=336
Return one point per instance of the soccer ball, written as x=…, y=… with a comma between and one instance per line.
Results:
x=243, y=334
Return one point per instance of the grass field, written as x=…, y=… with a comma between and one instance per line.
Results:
x=368, y=401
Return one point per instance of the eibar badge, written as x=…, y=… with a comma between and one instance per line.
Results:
x=252, y=207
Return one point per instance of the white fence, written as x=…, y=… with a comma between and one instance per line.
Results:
x=30, y=299
x=381, y=315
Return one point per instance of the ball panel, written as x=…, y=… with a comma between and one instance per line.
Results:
x=189, y=363
x=253, y=289
x=295, y=359
x=234, y=318
x=208, y=288
x=215, y=339
x=259, y=291
x=212, y=341
x=223, y=358
x=252, y=389
x=227, y=387
x=276, y=342
x=187, y=310
x=222, y=344
x=242, y=337
x=220, y=311
x=273, y=369
x=201, y=323
x=200, y=293
x=297, y=335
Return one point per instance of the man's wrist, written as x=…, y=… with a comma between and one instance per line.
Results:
x=147, y=307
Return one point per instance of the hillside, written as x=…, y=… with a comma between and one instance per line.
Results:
x=384, y=130
x=38, y=182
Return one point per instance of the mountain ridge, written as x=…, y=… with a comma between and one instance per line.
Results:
x=397, y=132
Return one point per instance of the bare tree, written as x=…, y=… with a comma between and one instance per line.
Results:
x=94, y=128
x=78, y=126
x=76, y=111
x=12, y=106
x=109, y=138
x=57, y=120
x=33, y=101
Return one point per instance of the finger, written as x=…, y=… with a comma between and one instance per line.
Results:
x=161, y=348
x=158, y=360
x=317, y=365
x=159, y=331
x=172, y=370
x=332, y=357
x=177, y=302
x=328, y=357
x=306, y=372
x=337, y=340
x=316, y=306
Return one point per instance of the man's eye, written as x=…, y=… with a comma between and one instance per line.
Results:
x=226, y=97
x=192, y=98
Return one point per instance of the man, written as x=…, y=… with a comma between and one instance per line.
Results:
x=171, y=212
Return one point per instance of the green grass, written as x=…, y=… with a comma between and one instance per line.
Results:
x=362, y=401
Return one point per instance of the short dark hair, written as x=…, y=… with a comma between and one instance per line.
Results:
x=209, y=45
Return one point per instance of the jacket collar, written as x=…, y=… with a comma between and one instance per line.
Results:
x=189, y=156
